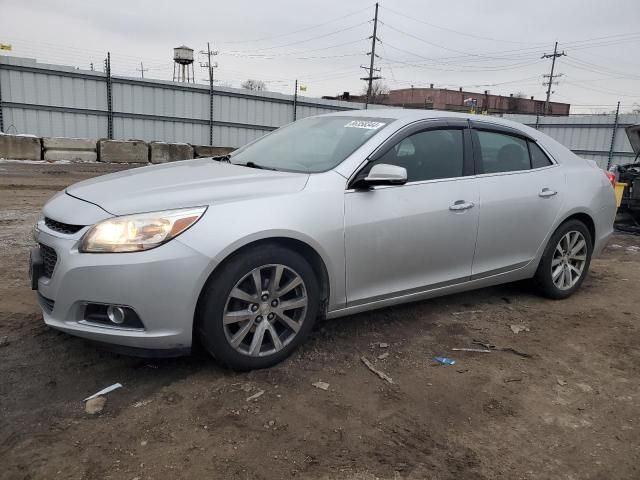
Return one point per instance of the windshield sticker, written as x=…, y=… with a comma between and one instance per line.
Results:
x=364, y=124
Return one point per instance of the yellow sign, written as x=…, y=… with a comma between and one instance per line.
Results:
x=303, y=88
x=5, y=46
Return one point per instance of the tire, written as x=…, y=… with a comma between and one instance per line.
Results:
x=231, y=294
x=565, y=283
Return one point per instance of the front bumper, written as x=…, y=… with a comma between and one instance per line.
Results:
x=161, y=285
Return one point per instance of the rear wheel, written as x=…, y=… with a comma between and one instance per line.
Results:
x=258, y=308
x=565, y=261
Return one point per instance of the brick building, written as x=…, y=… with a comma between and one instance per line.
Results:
x=462, y=101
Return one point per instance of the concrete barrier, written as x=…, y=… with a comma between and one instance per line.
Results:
x=72, y=149
x=160, y=152
x=20, y=147
x=209, y=151
x=123, y=151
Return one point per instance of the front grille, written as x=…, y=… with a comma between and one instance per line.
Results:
x=60, y=227
x=46, y=303
x=49, y=259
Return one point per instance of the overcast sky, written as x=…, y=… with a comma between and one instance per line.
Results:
x=494, y=45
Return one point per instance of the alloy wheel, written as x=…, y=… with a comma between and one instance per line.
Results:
x=265, y=310
x=569, y=259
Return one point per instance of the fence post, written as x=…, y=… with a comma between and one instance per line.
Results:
x=613, y=136
x=210, y=110
x=295, y=102
x=537, y=121
x=1, y=119
x=109, y=98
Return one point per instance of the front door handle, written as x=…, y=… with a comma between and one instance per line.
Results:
x=461, y=205
x=547, y=192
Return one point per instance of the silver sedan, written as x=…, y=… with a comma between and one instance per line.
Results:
x=326, y=217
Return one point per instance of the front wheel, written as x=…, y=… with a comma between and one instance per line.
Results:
x=565, y=261
x=258, y=308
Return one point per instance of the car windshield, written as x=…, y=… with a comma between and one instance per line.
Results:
x=311, y=145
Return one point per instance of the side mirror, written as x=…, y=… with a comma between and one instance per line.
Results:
x=385, y=174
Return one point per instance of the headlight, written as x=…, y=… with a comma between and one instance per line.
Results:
x=133, y=233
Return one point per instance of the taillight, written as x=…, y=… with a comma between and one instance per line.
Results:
x=612, y=178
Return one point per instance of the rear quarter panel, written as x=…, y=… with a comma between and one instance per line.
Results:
x=588, y=191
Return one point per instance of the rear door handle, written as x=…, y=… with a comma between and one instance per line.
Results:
x=461, y=205
x=547, y=192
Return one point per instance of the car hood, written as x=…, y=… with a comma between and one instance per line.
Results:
x=183, y=184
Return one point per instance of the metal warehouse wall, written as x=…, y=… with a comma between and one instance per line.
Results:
x=589, y=136
x=53, y=100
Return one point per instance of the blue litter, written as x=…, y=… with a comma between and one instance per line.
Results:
x=445, y=360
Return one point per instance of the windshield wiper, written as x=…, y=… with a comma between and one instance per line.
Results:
x=222, y=158
x=255, y=165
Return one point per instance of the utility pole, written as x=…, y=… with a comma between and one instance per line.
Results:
x=209, y=53
x=551, y=76
x=370, y=78
x=142, y=69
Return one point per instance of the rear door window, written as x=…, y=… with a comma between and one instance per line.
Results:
x=498, y=152
x=539, y=159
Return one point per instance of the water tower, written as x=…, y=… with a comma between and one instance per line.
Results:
x=182, y=60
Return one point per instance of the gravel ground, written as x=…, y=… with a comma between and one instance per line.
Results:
x=569, y=410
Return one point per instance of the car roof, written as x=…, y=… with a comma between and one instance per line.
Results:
x=406, y=116
x=412, y=115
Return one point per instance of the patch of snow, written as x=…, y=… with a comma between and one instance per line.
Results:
x=37, y=162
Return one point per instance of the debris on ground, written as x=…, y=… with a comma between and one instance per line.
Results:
x=95, y=405
x=370, y=366
x=615, y=246
x=584, y=387
x=142, y=403
x=383, y=345
x=445, y=360
x=382, y=356
x=321, y=385
x=255, y=396
x=484, y=343
x=512, y=379
x=513, y=350
x=490, y=346
x=4, y=341
x=466, y=312
x=477, y=350
x=561, y=382
x=633, y=249
x=104, y=391
x=519, y=328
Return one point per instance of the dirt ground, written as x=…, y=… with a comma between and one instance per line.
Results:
x=569, y=411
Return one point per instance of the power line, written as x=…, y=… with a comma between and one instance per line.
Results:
x=306, y=29
x=269, y=56
x=297, y=42
x=456, y=31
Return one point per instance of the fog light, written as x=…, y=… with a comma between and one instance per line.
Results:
x=116, y=314
x=113, y=316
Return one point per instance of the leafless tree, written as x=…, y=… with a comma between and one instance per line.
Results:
x=379, y=90
x=255, y=85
